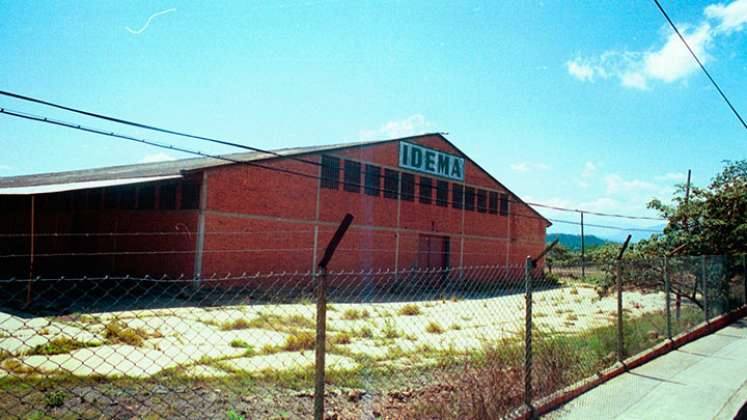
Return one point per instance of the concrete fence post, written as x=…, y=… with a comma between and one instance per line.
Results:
x=668, y=298
x=528, y=335
x=744, y=278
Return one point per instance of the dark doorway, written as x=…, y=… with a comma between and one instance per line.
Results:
x=433, y=254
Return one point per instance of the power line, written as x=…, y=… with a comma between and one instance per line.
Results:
x=193, y=136
x=65, y=124
x=148, y=127
x=682, y=38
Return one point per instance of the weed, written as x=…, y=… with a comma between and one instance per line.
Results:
x=117, y=332
x=341, y=338
x=233, y=415
x=456, y=326
x=410, y=309
x=55, y=399
x=573, y=291
x=364, y=332
x=241, y=344
x=353, y=314
x=390, y=331
x=17, y=366
x=454, y=298
x=434, y=328
x=59, y=346
x=571, y=317
x=301, y=340
x=237, y=324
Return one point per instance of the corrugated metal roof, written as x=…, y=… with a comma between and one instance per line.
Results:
x=71, y=186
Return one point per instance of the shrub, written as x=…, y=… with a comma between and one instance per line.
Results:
x=365, y=332
x=410, y=309
x=434, y=328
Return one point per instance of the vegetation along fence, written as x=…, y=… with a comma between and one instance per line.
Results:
x=471, y=342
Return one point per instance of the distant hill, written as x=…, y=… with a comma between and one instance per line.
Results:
x=574, y=241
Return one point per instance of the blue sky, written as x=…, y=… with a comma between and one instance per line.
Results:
x=581, y=104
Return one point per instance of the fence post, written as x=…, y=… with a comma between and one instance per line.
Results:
x=528, y=336
x=705, y=287
x=321, y=316
x=668, y=291
x=620, y=336
x=744, y=278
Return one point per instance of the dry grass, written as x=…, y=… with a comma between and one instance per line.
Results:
x=353, y=314
x=301, y=340
x=59, y=346
x=117, y=332
x=410, y=309
x=434, y=328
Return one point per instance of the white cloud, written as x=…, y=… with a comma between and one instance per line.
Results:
x=673, y=61
x=671, y=176
x=668, y=62
x=5, y=167
x=410, y=126
x=617, y=184
x=529, y=166
x=732, y=17
x=157, y=157
x=579, y=70
x=589, y=169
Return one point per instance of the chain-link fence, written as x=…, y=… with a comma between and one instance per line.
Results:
x=414, y=343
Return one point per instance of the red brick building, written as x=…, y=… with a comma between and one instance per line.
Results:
x=417, y=202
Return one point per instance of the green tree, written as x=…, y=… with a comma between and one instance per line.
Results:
x=714, y=221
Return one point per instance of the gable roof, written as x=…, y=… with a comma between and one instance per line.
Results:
x=147, y=172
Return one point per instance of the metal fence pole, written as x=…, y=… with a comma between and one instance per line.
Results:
x=668, y=291
x=321, y=315
x=744, y=278
x=528, y=336
x=620, y=338
x=705, y=288
x=321, y=339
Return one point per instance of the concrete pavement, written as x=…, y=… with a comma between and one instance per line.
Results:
x=705, y=379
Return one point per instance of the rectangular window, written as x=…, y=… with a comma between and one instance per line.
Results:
x=457, y=196
x=408, y=186
x=190, y=195
x=146, y=197
x=373, y=180
x=391, y=183
x=352, y=176
x=94, y=199
x=426, y=190
x=167, y=197
x=504, y=204
x=469, y=198
x=493, y=202
x=127, y=198
x=482, y=198
x=442, y=193
x=330, y=172
x=79, y=199
x=111, y=198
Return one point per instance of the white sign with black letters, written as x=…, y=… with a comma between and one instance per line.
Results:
x=430, y=161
